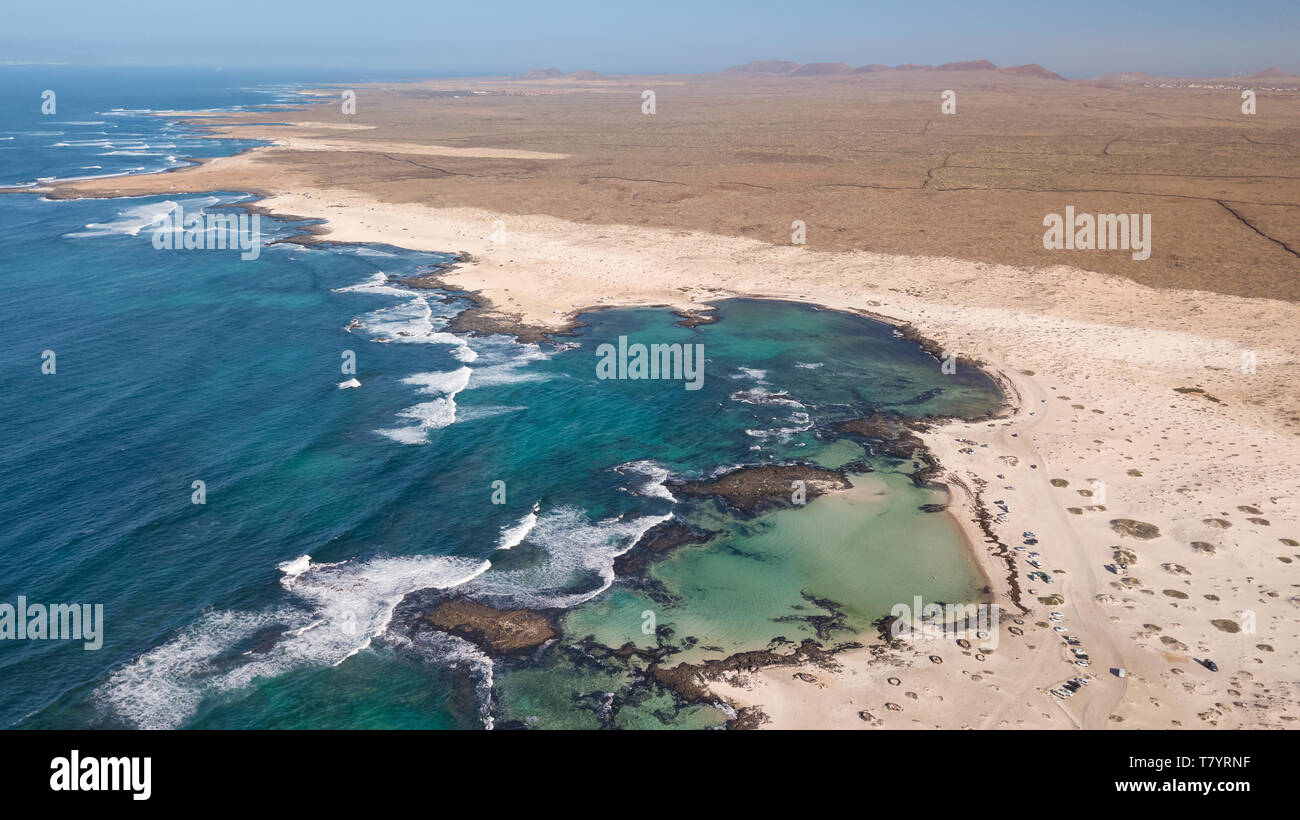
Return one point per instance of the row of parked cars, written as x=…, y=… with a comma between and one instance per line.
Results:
x=1079, y=657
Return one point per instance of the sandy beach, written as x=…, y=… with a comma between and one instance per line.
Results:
x=1165, y=393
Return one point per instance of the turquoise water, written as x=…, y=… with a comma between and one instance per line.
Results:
x=268, y=605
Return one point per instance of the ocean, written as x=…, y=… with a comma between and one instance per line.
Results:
x=142, y=381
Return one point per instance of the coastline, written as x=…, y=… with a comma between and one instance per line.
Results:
x=529, y=282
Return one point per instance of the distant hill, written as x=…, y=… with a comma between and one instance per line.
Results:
x=969, y=65
x=821, y=69
x=785, y=68
x=543, y=74
x=1031, y=70
x=1125, y=77
x=763, y=67
x=1268, y=74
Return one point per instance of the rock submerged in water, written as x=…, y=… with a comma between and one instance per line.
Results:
x=695, y=318
x=496, y=631
x=657, y=543
x=895, y=436
x=754, y=488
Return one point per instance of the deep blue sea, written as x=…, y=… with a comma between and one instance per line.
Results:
x=268, y=604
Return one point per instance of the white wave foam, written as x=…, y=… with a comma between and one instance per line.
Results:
x=164, y=686
x=130, y=221
x=348, y=604
x=353, y=601
x=501, y=360
x=297, y=566
x=514, y=536
x=406, y=435
x=412, y=321
x=431, y=415
x=761, y=396
x=802, y=422
x=575, y=548
x=449, y=382
x=757, y=375
x=655, y=474
x=377, y=283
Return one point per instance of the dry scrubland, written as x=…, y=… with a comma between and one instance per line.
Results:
x=1124, y=372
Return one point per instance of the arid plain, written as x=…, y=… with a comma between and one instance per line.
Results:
x=1161, y=392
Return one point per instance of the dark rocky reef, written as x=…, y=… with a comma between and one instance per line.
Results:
x=657, y=543
x=498, y=632
x=752, y=489
x=910, y=333
x=695, y=318
x=823, y=625
x=691, y=680
x=895, y=436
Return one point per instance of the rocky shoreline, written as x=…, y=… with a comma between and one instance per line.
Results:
x=660, y=541
x=754, y=489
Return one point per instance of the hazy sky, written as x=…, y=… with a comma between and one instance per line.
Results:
x=1183, y=37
